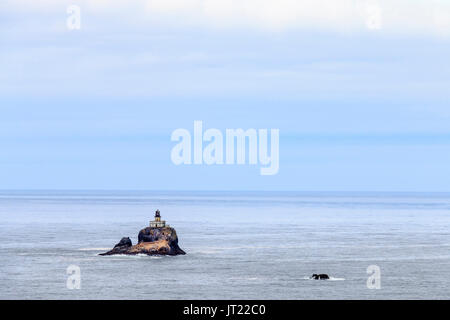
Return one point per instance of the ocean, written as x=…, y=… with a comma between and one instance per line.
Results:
x=239, y=245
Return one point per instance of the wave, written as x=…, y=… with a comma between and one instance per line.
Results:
x=331, y=279
x=134, y=256
x=336, y=279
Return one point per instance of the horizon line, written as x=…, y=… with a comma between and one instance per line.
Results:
x=229, y=190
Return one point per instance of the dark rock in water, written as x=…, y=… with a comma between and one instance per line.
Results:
x=165, y=234
x=150, y=234
x=121, y=248
x=151, y=241
x=124, y=242
x=321, y=276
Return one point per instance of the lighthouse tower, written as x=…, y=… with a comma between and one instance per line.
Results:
x=157, y=223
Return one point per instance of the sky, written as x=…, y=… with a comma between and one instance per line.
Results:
x=358, y=89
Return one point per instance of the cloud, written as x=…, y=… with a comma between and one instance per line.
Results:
x=198, y=48
x=398, y=16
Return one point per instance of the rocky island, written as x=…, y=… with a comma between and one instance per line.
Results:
x=158, y=239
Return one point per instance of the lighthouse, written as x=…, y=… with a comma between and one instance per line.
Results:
x=158, y=223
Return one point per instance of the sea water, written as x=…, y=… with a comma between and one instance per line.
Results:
x=240, y=245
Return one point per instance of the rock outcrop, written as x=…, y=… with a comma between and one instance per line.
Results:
x=321, y=276
x=151, y=241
